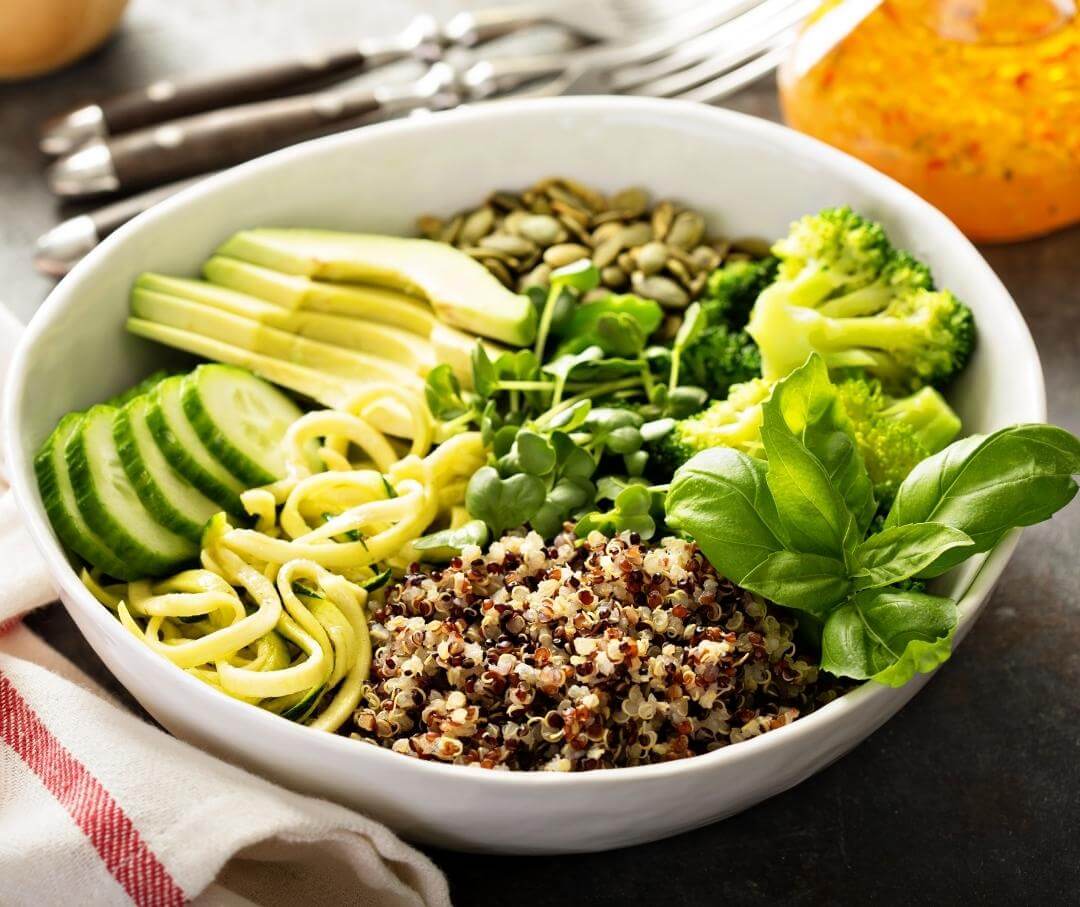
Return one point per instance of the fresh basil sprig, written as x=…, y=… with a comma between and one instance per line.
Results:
x=791, y=528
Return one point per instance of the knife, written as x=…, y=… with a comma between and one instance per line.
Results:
x=57, y=250
x=168, y=99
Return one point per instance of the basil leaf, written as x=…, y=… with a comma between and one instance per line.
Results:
x=806, y=582
x=900, y=552
x=813, y=517
x=503, y=503
x=888, y=635
x=720, y=497
x=986, y=485
x=439, y=547
x=807, y=403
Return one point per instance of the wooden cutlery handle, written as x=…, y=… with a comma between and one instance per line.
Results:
x=220, y=138
x=169, y=99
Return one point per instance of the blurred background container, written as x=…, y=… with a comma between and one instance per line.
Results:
x=38, y=36
x=974, y=104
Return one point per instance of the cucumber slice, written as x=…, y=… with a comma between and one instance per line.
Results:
x=58, y=497
x=143, y=387
x=184, y=450
x=174, y=502
x=110, y=505
x=241, y=419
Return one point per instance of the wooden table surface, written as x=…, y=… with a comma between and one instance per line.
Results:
x=970, y=795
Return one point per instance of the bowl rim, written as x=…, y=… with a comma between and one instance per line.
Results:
x=243, y=717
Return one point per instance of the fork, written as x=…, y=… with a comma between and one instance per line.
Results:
x=705, y=59
x=423, y=39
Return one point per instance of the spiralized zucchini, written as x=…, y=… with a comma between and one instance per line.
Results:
x=277, y=614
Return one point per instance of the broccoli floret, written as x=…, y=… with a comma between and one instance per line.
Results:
x=732, y=422
x=894, y=435
x=719, y=358
x=731, y=290
x=842, y=290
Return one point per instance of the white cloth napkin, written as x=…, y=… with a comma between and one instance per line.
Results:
x=98, y=807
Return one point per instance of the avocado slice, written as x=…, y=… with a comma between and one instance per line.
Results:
x=401, y=347
x=293, y=292
x=462, y=292
x=329, y=390
x=243, y=333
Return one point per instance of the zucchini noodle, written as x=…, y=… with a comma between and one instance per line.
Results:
x=277, y=614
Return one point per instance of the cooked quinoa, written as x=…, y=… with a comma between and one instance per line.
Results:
x=574, y=657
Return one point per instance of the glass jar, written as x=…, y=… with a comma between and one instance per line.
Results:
x=974, y=104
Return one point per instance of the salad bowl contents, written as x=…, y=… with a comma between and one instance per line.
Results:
x=569, y=484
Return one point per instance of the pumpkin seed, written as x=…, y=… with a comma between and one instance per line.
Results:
x=542, y=229
x=430, y=227
x=505, y=242
x=450, y=232
x=513, y=221
x=651, y=257
x=687, y=230
x=704, y=258
x=613, y=276
x=477, y=225
x=669, y=327
x=596, y=295
x=626, y=262
x=504, y=201
x=565, y=253
x=664, y=290
x=697, y=285
x=537, y=277
x=608, y=217
x=501, y=272
x=575, y=228
x=632, y=202
x=607, y=251
x=485, y=255
x=606, y=230
x=662, y=216
x=679, y=271
x=580, y=215
x=636, y=234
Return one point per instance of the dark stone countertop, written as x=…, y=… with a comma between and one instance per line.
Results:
x=970, y=795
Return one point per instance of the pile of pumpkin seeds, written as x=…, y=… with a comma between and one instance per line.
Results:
x=659, y=251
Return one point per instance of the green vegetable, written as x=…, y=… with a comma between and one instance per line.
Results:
x=631, y=513
x=582, y=276
x=732, y=290
x=888, y=636
x=986, y=485
x=790, y=528
x=720, y=358
x=694, y=322
x=843, y=291
x=892, y=435
x=439, y=547
x=619, y=325
x=503, y=503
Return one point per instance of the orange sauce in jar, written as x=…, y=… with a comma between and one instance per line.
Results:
x=974, y=104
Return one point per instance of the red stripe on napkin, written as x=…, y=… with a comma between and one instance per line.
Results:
x=115, y=838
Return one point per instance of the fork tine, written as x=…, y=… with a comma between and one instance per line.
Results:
x=641, y=13
x=742, y=76
x=698, y=61
x=500, y=74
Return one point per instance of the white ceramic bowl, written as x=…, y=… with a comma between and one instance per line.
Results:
x=750, y=177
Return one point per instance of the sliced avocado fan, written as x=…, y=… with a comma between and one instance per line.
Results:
x=462, y=292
